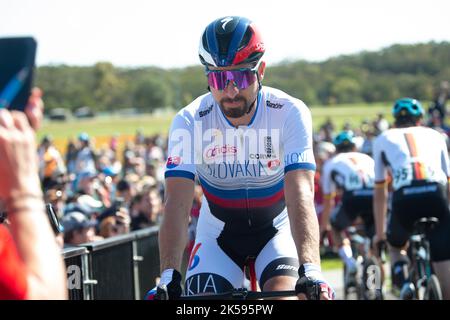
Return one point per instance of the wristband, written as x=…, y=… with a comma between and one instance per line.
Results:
x=311, y=270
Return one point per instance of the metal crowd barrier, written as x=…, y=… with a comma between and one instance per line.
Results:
x=122, y=267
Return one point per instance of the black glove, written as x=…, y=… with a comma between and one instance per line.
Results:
x=169, y=287
x=312, y=283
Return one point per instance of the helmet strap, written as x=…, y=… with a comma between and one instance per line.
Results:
x=259, y=89
x=251, y=106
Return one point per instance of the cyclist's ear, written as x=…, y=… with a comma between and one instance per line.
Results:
x=261, y=70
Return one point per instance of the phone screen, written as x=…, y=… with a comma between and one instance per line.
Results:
x=17, y=58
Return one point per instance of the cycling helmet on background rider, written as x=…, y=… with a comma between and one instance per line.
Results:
x=230, y=41
x=407, y=107
x=344, y=139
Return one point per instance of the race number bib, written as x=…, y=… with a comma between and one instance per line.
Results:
x=402, y=177
x=357, y=182
x=415, y=171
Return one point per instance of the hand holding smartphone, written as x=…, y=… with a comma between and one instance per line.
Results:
x=17, y=60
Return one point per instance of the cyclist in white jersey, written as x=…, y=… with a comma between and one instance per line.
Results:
x=251, y=149
x=350, y=173
x=416, y=157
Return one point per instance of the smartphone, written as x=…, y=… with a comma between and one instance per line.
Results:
x=17, y=61
x=53, y=218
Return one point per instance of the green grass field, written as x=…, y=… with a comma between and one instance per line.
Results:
x=102, y=128
x=354, y=114
x=331, y=264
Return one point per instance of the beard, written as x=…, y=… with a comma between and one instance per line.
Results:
x=235, y=111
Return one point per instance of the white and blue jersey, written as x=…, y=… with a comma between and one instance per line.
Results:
x=241, y=171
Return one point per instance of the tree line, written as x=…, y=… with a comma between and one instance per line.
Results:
x=384, y=75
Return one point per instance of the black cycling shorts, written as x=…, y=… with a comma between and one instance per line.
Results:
x=354, y=204
x=410, y=203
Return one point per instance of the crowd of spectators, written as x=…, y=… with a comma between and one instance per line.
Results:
x=98, y=194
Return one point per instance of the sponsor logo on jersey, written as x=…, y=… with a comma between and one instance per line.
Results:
x=173, y=162
x=194, y=260
x=421, y=189
x=203, y=113
x=224, y=150
x=297, y=157
x=258, y=156
x=273, y=164
x=274, y=105
x=268, y=145
x=286, y=267
x=206, y=283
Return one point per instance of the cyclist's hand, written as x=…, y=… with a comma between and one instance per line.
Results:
x=312, y=285
x=169, y=287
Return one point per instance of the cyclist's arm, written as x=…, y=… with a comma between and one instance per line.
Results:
x=328, y=190
x=299, y=195
x=380, y=196
x=328, y=205
x=173, y=232
x=380, y=208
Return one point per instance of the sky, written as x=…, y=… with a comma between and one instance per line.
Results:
x=166, y=33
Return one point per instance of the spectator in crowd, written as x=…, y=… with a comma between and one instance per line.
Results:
x=440, y=100
x=86, y=157
x=114, y=142
x=326, y=130
x=436, y=122
x=90, y=185
x=51, y=164
x=125, y=192
x=87, y=183
x=152, y=151
x=146, y=209
x=380, y=124
x=78, y=228
x=71, y=157
x=109, y=179
x=139, y=137
x=57, y=198
x=115, y=225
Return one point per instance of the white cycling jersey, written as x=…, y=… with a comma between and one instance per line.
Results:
x=348, y=171
x=241, y=170
x=411, y=154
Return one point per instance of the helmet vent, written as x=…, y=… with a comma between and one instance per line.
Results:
x=246, y=39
